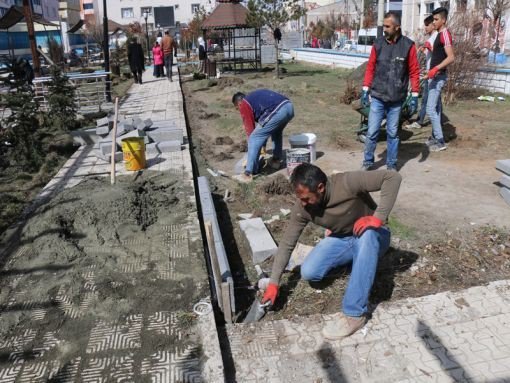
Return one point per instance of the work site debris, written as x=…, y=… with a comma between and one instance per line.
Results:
x=298, y=256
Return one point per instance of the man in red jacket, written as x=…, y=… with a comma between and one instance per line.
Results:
x=392, y=63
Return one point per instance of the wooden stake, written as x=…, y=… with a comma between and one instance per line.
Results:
x=225, y=297
x=114, y=140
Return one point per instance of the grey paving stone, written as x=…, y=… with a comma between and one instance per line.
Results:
x=165, y=134
x=503, y=166
x=505, y=181
x=152, y=149
x=169, y=146
x=107, y=157
x=505, y=193
x=102, y=122
x=133, y=133
x=103, y=130
x=259, y=240
x=105, y=146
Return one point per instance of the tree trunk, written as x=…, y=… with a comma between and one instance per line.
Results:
x=277, y=61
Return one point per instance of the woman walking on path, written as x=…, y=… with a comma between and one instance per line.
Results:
x=157, y=53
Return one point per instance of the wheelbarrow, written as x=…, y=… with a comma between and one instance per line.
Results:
x=405, y=114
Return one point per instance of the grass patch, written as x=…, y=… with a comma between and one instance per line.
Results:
x=398, y=229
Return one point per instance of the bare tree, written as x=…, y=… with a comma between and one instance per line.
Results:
x=496, y=9
x=465, y=74
x=274, y=14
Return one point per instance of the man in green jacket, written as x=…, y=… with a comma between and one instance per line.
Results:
x=355, y=234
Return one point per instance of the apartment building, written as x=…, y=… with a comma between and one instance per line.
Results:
x=162, y=14
x=47, y=8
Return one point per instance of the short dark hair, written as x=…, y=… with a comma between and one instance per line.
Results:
x=394, y=16
x=308, y=175
x=441, y=11
x=167, y=32
x=428, y=20
x=238, y=97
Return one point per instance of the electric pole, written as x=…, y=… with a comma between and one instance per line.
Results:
x=380, y=17
x=27, y=12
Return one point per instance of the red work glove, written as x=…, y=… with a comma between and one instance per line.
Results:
x=365, y=223
x=270, y=293
x=432, y=73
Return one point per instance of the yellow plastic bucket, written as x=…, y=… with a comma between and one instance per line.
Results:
x=133, y=149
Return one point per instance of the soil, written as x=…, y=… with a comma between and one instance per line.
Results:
x=449, y=224
x=121, y=235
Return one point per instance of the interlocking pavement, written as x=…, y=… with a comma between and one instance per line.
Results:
x=448, y=337
x=58, y=339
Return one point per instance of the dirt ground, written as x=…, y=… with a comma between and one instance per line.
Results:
x=101, y=252
x=449, y=224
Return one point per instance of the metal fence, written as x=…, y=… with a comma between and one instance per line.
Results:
x=90, y=90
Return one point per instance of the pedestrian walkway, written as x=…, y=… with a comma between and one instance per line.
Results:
x=118, y=305
x=449, y=337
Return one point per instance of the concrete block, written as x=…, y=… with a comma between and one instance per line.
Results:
x=152, y=149
x=102, y=122
x=148, y=123
x=134, y=133
x=503, y=166
x=103, y=130
x=505, y=193
x=165, y=134
x=259, y=240
x=169, y=146
x=119, y=156
x=505, y=181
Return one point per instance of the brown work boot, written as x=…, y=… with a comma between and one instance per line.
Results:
x=342, y=327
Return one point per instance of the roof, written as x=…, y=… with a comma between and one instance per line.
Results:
x=77, y=26
x=228, y=14
x=114, y=26
x=15, y=14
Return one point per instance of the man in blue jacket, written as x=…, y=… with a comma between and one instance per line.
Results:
x=265, y=114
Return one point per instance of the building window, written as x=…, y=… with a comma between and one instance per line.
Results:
x=195, y=8
x=445, y=4
x=146, y=9
x=127, y=13
x=3, y=11
x=88, y=5
x=36, y=2
x=429, y=7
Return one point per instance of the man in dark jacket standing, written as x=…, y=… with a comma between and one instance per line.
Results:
x=356, y=235
x=136, y=59
x=393, y=61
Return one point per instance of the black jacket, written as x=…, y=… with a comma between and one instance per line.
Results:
x=135, y=57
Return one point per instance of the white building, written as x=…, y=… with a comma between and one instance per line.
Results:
x=47, y=8
x=414, y=13
x=165, y=14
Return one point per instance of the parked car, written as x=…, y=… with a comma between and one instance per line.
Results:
x=350, y=46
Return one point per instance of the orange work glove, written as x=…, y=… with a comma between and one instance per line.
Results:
x=365, y=223
x=270, y=294
x=432, y=73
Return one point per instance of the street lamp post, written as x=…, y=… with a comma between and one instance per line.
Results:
x=145, y=16
x=106, y=52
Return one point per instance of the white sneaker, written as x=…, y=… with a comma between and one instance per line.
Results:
x=415, y=125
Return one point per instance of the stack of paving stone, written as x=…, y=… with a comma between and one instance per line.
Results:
x=504, y=166
x=160, y=137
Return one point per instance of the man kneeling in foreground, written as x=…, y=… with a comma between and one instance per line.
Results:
x=355, y=234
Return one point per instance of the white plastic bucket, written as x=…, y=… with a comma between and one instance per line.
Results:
x=296, y=157
x=306, y=141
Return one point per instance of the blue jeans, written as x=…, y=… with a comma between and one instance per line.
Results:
x=379, y=109
x=363, y=252
x=424, y=98
x=435, y=87
x=272, y=128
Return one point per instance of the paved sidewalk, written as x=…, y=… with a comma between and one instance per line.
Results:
x=449, y=337
x=58, y=336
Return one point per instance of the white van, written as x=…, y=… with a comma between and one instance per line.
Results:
x=366, y=38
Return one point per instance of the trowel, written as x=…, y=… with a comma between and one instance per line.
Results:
x=257, y=309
